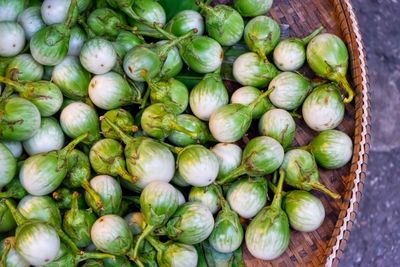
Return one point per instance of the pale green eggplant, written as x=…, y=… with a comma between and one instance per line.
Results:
x=174, y=254
x=10, y=257
x=122, y=119
x=105, y=22
x=77, y=223
x=197, y=165
x=193, y=124
x=41, y=208
x=110, y=193
x=146, y=159
x=191, y=224
x=72, y=79
x=7, y=222
x=184, y=21
x=106, y=157
x=267, y=236
x=57, y=11
x=76, y=40
x=290, y=53
x=208, y=95
x=332, y=149
x=19, y=119
x=9, y=10
x=289, y=90
x=111, y=234
x=13, y=39
x=49, y=137
x=145, y=62
x=305, y=211
x=158, y=201
x=261, y=35
x=261, y=156
x=42, y=173
x=49, y=45
x=110, y=90
x=248, y=196
x=328, y=57
x=207, y=195
x=223, y=23
x=202, y=54
x=247, y=94
x=159, y=121
x=24, y=68
x=230, y=123
x=98, y=56
x=252, y=8
x=78, y=118
x=278, y=124
x=302, y=172
x=249, y=69
x=37, y=242
x=227, y=235
x=8, y=165
x=323, y=109
x=229, y=157
x=46, y=96
x=170, y=92
x=31, y=21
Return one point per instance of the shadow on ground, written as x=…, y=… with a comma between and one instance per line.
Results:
x=375, y=238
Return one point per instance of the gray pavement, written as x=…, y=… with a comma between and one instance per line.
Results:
x=375, y=238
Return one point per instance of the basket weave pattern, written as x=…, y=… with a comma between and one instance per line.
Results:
x=325, y=246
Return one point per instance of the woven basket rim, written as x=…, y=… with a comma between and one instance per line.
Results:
x=338, y=242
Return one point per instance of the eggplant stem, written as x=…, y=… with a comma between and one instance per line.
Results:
x=146, y=231
x=140, y=33
x=93, y=194
x=322, y=188
x=239, y=171
x=129, y=11
x=68, y=148
x=277, y=201
x=175, y=126
x=19, y=87
x=168, y=35
x=173, y=149
x=124, y=174
x=18, y=217
x=70, y=13
x=6, y=249
x=124, y=137
x=145, y=98
x=134, y=199
x=309, y=37
x=275, y=178
x=343, y=83
x=260, y=97
x=65, y=238
x=160, y=247
x=82, y=256
x=172, y=43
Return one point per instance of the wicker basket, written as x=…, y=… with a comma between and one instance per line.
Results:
x=325, y=246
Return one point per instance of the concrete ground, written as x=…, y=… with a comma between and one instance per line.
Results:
x=375, y=238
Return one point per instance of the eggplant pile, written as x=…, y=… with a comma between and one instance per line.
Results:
x=121, y=145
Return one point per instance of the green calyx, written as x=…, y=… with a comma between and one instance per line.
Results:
x=302, y=172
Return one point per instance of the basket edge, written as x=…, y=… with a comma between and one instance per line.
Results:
x=338, y=242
